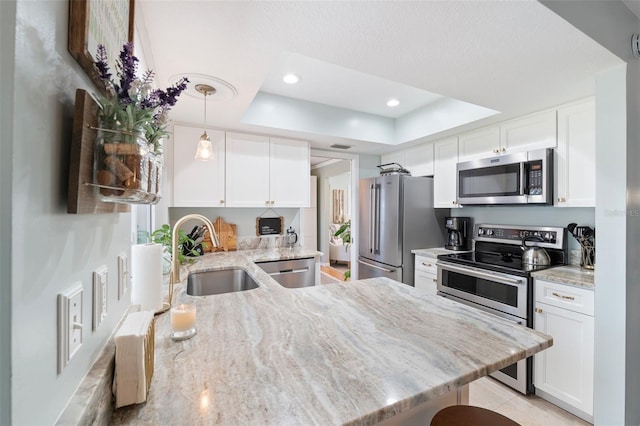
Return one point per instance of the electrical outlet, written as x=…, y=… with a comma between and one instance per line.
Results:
x=99, y=296
x=123, y=275
x=69, y=324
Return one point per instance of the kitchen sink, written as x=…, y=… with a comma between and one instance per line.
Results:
x=207, y=283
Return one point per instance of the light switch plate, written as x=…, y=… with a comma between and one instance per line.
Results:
x=123, y=275
x=70, y=324
x=99, y=296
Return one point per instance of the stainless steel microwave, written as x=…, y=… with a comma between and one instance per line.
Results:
x=520, y=178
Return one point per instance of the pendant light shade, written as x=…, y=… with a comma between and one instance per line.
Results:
x=204, y=152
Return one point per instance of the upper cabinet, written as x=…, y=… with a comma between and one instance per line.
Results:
x=197, y=183
x=535, y=131
x=575, y=156
x=445, y=173
x=418, y=160
x=289, y=173
x=266, y=172
x=479, y=143
x=527, y=133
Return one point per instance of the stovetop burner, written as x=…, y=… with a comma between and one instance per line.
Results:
x=498, y=249
x=500, y=262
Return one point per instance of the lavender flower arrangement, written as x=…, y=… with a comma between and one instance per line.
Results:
x=132, y=103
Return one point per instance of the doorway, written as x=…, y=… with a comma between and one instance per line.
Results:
x=337, y=174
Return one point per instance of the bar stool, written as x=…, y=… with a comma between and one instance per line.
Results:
x=467, y=415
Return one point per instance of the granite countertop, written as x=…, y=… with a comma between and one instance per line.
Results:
x=345, y=353
x=569, y=274
x=435, y=252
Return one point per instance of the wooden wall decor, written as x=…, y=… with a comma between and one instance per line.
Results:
x=89, y=26
x=81, y=198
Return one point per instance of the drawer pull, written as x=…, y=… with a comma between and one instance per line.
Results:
x=563, y=297
x=427, y=264
x=538, y=310
x=435, y=280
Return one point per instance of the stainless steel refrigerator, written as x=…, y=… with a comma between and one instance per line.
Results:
x=396, y=216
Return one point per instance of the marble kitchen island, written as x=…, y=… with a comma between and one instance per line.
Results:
x=346, y=353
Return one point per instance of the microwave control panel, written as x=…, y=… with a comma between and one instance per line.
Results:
x=535, y=184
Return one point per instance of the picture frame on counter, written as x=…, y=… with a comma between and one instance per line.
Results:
x=94, y=22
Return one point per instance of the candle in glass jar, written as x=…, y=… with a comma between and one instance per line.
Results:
x=183, y=321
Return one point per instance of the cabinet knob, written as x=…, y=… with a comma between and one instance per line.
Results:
x=503, y=149
x=221, y=201
x=435, y=280
x=538, y=310
x=561, y=199
x=453, y=202
x=266, y=202
x=496, y=150
x=272, y=202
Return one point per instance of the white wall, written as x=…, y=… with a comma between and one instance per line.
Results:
x=50, y=249
x=617, y=376
x=7, y=43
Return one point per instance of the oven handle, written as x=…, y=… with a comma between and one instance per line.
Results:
x=478, y=274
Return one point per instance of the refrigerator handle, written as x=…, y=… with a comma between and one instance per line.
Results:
x=372, y=215
x=376, y=236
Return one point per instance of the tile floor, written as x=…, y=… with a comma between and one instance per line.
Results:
x=527, y=410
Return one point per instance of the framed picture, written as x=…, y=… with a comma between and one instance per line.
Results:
x=94, y=22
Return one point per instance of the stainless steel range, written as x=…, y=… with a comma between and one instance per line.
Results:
x=496, y=278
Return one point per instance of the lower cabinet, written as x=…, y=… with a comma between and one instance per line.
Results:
x=563, y=374
x=426, y=274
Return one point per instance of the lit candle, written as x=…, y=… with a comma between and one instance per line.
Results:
x=183, y=321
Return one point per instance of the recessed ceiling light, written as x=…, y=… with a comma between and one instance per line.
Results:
x=291, y=78
x=393, y=103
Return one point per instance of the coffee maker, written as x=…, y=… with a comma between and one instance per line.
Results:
x=459, y=231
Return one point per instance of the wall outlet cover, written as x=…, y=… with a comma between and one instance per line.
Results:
x=99, y=296
x=70, y=324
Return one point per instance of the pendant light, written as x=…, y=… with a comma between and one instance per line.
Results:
x=205, y=149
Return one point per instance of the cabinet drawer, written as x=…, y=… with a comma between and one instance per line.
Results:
x=565, y=296
x=425, y=281
x=426, y=264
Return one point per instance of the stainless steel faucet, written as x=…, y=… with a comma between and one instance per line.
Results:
x=175, y=263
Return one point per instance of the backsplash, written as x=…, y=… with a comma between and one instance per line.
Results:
x=533, y=216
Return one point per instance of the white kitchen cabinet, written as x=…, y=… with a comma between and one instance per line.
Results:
x=575, y=157
x=393, y=157
x=445, y=174
x=309, y=219
x=266, y=172
x=426, y=274
x=535, y=131
x=197, y=183
x=479, y=143
x=289, y=173
x=563, y=374
x=418, y=160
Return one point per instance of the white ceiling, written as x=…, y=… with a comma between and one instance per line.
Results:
x=514, y=57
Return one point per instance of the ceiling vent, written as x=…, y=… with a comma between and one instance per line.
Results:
x=338, y=146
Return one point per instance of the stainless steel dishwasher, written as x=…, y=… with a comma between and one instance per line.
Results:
x=294, y=273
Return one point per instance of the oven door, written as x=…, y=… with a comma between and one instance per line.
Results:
x=519, y=375
x=502, y=292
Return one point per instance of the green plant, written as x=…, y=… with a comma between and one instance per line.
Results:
x=344, y=232
x=163, y=236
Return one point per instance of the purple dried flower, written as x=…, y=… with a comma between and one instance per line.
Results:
x=127, y=65
x=101, y=64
